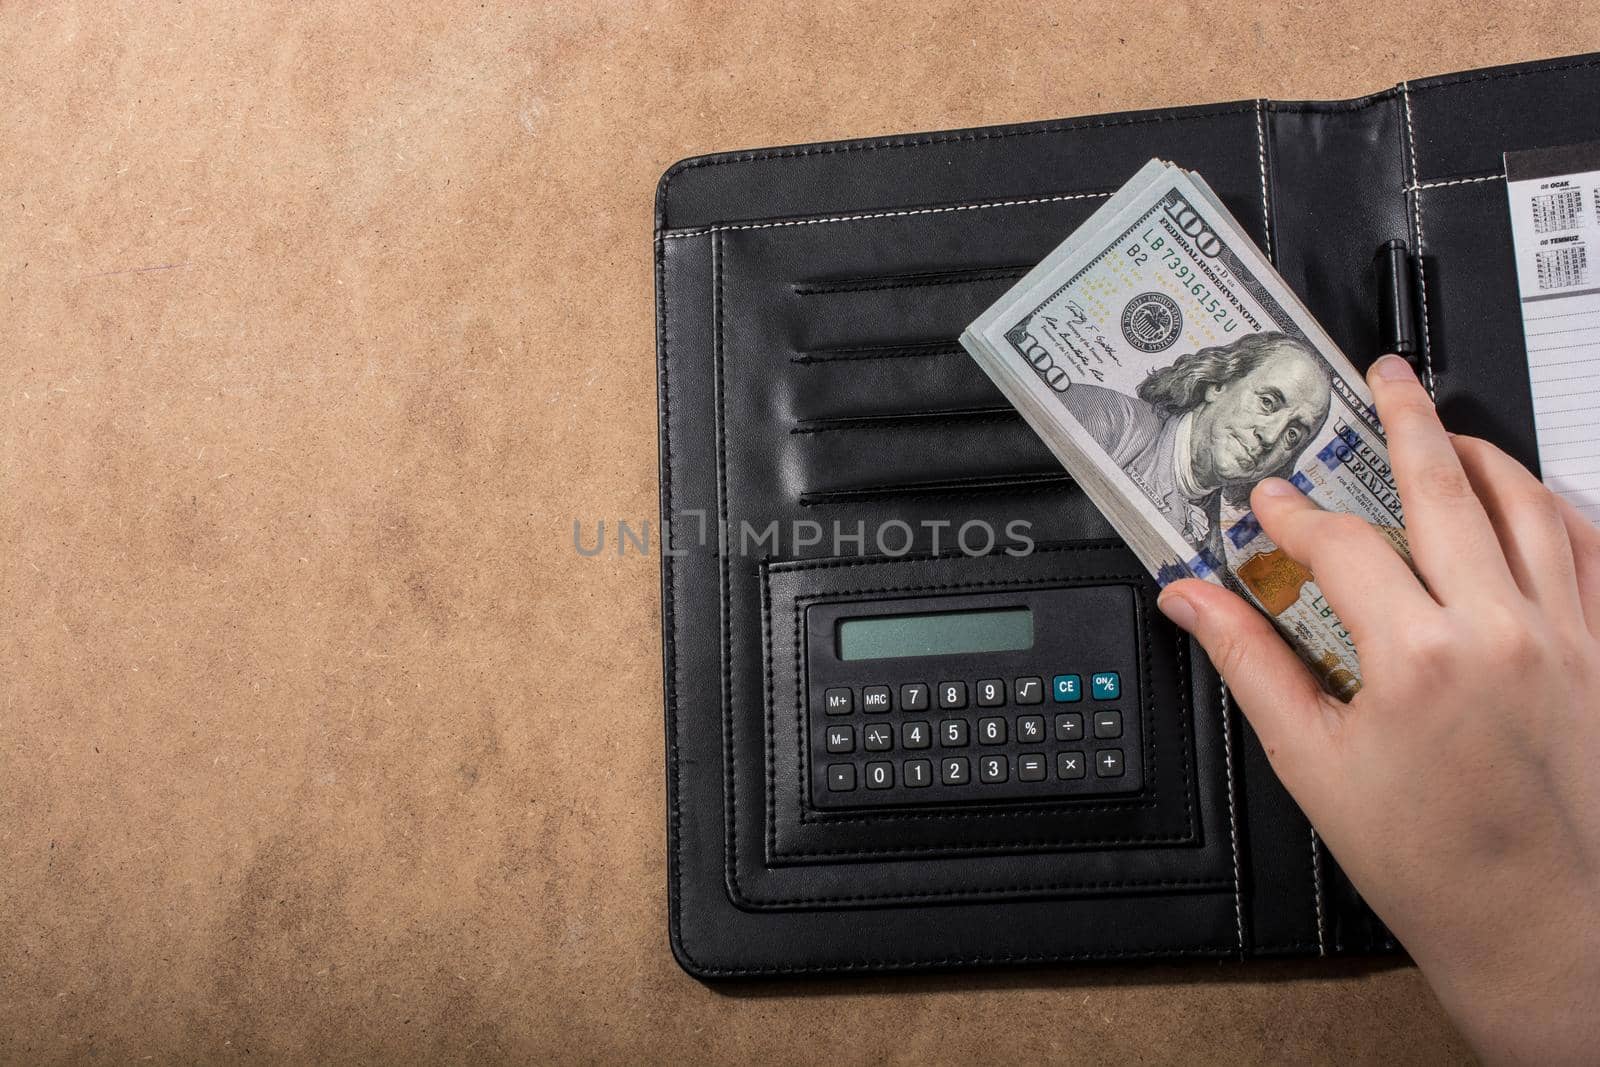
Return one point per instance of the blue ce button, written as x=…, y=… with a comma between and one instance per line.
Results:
x=1106, y=685
x=1068, y=688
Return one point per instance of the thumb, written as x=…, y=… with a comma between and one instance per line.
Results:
x=1274, y=689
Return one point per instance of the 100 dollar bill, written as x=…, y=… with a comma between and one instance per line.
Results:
x=1170, y=369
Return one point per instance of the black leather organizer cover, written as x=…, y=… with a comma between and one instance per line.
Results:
x=809, y=300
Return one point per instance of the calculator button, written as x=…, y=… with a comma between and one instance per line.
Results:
x=1030, y=729
x=1027, y=691
x=991, y=731
x=919, y=772
x=953, y=733
x=954, y=770
x=1108, y=724
x=1069, y=726
x=915, y=735
x=1108, y=763
x=991, y=693
x=1106, y=685
x=1031, y=767
x=875, y=698
x=1069, y=765
x=841, y=739
x=1068, y=688
x=837, y=701
x=952, y=694
x=992, y=769
x=841, y=777
x=879, y=737
x=914, y=697
x=880, y=775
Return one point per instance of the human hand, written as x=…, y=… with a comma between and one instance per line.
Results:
x=1460, y=788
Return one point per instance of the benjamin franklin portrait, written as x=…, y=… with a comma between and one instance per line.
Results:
x=1210, y=426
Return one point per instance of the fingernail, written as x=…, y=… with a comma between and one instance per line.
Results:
x=1277, y=487
x=1178, y=609
x=1394, y=369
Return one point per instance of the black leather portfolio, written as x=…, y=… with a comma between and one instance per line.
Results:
x=921, y=710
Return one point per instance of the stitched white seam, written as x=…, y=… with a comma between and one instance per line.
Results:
x=1316, y=877
x=1233, y=822
x=1415, y=185
x=1416, y=230
x=1261, y=158
x=887, y=214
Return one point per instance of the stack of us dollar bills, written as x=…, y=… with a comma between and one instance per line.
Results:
x=1167, y=365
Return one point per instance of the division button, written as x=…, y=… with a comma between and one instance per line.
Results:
x=914, y=696
x=875, y=698
x=1069, y=765
x=841, y=739
x=991, y=693
x=1030, y=767
x=841, y=777
x=1108, y=724
x=1068, y=688
x=1069, y=726
x=837, y=701
x=1108, y=763
x=1027, y=691
x=878, y=737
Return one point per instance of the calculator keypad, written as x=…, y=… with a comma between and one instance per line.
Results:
x=1036, y=735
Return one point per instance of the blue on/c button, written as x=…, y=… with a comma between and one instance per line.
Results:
x=1106, y=685
x=1068, y=688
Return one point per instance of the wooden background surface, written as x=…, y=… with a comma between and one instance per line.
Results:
x=321, y=324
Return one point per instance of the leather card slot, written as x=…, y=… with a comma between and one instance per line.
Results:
x=901, y=350
x=911, y=280
x=944, y=487
x=904, y=419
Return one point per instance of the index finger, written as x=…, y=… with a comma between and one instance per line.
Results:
x=1453, y=544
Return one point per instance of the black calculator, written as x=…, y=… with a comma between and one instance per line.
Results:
x=973, y=699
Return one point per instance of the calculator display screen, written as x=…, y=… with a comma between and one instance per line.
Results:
x=944, y=634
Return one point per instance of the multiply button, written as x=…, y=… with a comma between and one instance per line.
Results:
x=1108, y=724
x=1069, y=765
x=1107, y=685
x=837, y=701
x=1068, y=688
x=875, y=698
x=1108, y=763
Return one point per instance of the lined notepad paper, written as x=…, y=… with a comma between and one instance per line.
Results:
x=1555, y=228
